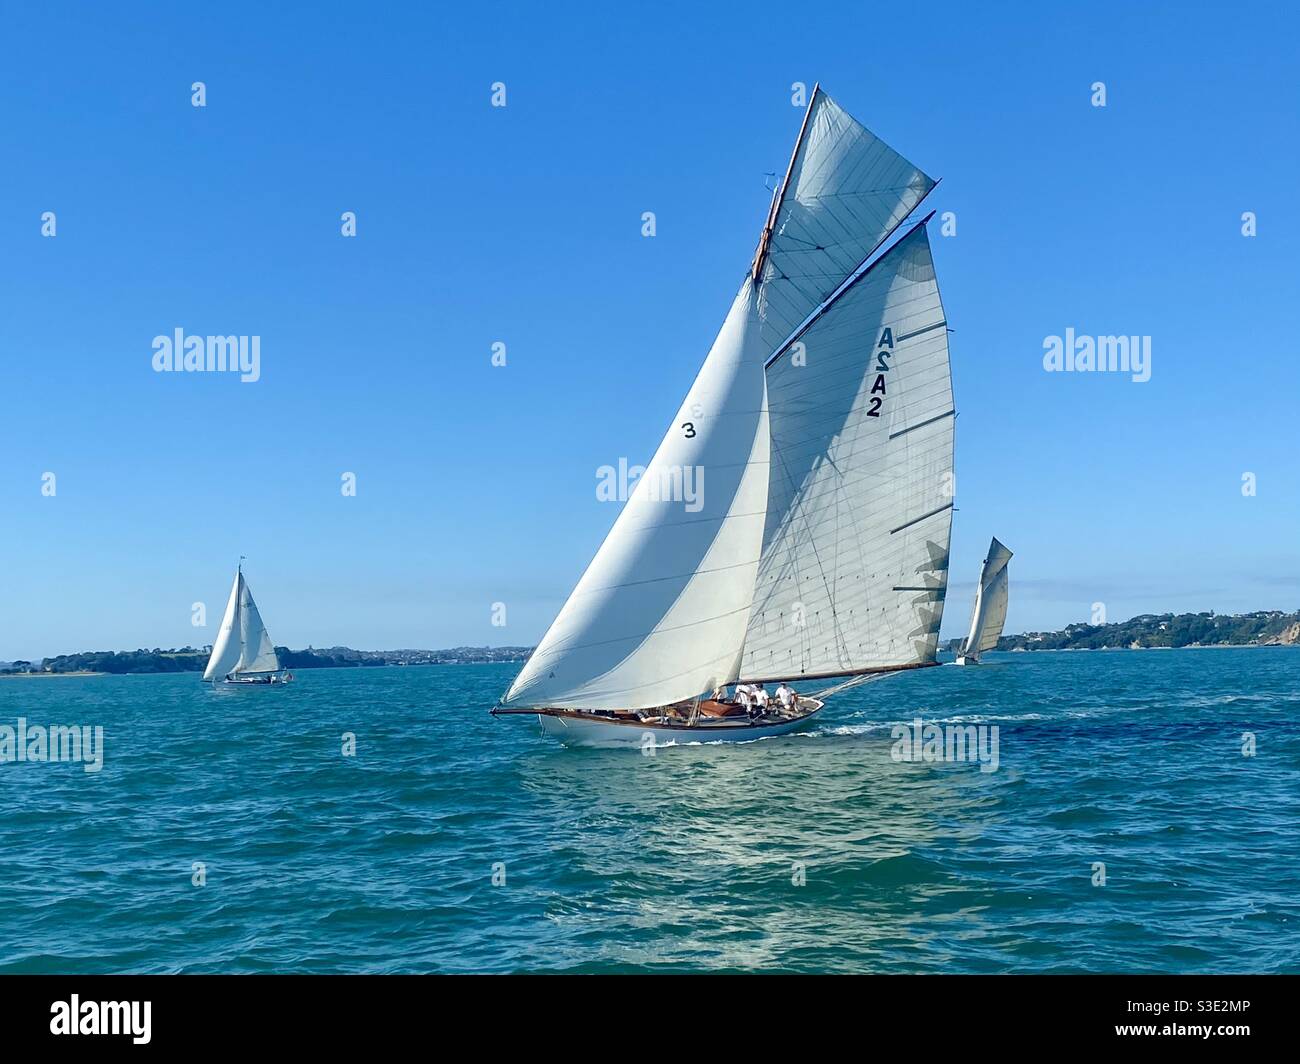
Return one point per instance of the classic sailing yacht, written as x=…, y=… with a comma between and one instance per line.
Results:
x=242, y=652
x=990, y=611
x=820, y=429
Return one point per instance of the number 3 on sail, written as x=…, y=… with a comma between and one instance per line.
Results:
x=823, y=417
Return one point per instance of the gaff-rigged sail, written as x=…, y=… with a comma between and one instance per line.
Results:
x=855, y=552
x=660, y=614
x=845, y=192
x=989, y=613
x=665, y=611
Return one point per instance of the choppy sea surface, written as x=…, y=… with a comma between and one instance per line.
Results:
x=453, y=841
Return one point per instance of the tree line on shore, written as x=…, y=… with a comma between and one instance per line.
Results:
x=1151, y=630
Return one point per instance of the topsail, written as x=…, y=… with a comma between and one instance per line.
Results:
x=820, y=432
x=845, y=193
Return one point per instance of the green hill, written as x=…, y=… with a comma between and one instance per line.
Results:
x=1264, y=628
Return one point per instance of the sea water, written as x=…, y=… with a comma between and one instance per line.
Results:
x=1142, y=816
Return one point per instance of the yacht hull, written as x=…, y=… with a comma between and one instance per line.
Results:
x=580, y=730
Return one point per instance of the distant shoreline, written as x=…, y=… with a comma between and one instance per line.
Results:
x=195, y=660
x=1099, y=650
x=1163, y=631
x=302, y=668
x=39, y=675
x=1148, y=631
x=444, y=664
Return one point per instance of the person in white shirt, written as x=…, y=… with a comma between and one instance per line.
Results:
x=743, y=695
x=785, y=695
x=761, y=697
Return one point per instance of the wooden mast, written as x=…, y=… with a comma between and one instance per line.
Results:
x=760, y=254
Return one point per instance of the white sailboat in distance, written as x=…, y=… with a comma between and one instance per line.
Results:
x=243, y=653
x=989, y=613
x=820, y=428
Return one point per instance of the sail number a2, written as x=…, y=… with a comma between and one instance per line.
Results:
x=884, y=352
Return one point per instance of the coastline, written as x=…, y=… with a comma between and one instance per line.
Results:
x=299, y=668
x=1098, y=650
x=44, y=675
x=441, y=664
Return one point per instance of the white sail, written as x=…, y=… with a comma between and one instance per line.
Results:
x=855, y=552
x=242, y=644
x=226, y=647
x=661, y=612
x=997, y=612
x=256, y=652
x=845, y=192
x=989, y=613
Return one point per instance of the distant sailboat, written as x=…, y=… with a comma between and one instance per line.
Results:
x=818, y=547
x=990, y=610
x=242, y=652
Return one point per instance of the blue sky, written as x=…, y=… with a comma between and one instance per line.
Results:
x=476, y=484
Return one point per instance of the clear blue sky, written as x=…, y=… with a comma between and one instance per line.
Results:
x=477, y=484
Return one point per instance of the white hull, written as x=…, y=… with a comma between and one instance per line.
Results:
x=963, y=660
x=573, y=731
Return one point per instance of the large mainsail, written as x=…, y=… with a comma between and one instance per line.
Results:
x=989, y=613
x=845, y=192
x=661, y=612
x=243, y=644
x=855, y=552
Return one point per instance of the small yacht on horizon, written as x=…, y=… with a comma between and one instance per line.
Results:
x=243, y=653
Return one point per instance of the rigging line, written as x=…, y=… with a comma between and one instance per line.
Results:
x=881, y=670
x=854, y=681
